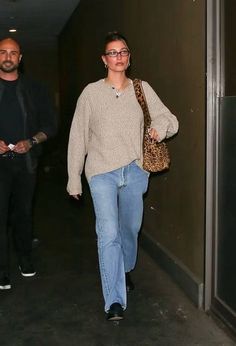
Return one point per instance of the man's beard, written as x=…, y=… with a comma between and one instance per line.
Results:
x=8, y=66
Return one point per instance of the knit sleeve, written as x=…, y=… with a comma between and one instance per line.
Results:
x=78, y=143
x=163, y=120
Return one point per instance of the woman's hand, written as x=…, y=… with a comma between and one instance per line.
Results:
x=77, y=197
x=153, y=134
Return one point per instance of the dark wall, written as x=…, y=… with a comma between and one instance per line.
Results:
x=167, y=40
x=41, y=63
x=80, y=49
x=230, y=47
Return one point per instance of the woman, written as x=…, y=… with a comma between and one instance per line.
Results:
x=108, y=128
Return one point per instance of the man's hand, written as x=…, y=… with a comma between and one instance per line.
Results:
x=3, y=147
x=22, y=147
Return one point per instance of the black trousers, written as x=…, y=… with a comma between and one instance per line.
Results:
x=17, y=187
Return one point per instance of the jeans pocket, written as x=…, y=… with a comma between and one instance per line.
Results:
x=141, y=169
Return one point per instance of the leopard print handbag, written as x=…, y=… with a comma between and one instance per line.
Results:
x=156, y=157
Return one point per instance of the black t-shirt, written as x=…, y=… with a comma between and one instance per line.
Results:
x=11, y=117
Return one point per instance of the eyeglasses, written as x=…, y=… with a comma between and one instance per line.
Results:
x=114, y=53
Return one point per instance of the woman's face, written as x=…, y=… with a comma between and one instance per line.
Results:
x=116, y=56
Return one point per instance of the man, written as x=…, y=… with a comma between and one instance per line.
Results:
x=27, y=119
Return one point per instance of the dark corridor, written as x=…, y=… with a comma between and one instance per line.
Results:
x=63, y=306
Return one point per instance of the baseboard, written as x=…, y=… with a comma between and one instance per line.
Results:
x=192, y=287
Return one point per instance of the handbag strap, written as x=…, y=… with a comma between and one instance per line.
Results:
x=139, y=92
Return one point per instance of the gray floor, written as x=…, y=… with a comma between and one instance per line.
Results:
x=63, y=305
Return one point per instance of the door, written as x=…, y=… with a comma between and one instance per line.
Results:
x=220, y=294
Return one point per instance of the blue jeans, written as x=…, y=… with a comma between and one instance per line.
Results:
x=118, y=204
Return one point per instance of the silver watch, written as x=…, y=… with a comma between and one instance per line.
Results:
x=33, y=141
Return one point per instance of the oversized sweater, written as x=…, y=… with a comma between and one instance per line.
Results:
x=108, y=130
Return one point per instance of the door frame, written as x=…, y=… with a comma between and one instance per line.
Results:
x=214, y=89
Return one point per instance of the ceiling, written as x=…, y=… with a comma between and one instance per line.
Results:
x=38, y=22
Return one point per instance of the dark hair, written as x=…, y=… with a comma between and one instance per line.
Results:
x=114, y=36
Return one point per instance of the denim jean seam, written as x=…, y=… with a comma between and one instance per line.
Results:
x=100, y=246
x=106, y=286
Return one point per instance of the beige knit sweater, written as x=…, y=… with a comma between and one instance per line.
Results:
x=108, y=131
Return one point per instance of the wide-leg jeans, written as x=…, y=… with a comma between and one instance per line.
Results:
x=118, y=204
x=16, y=194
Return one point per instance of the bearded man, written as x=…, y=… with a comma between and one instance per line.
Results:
x=27, y=118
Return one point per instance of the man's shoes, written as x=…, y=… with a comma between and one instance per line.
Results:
x=35, y=242
x=129, y=283
x=26, y=267
x=5, y=282
x=115, y=312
